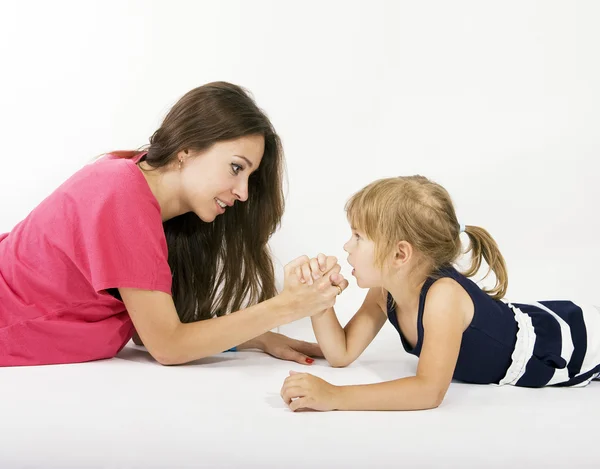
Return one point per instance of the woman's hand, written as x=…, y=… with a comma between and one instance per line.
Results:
x=306, y=391
x=286, y=348
x=315, y=268
x=316, y=295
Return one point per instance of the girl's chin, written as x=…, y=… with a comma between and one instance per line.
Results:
x=361, y=284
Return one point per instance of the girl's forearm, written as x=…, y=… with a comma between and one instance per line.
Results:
x=412, y=393
x=331, y=337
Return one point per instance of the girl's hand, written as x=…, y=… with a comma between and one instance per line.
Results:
x=308, y=299
x=306, y=391
x=315, y=268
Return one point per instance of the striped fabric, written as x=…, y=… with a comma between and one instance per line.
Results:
x=546, y=343
x=558, y=344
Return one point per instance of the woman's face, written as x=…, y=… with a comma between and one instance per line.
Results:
x=215, y=179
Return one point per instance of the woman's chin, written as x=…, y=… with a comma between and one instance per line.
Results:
x=206, y=217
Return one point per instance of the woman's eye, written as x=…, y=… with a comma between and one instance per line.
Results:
x=236, y=168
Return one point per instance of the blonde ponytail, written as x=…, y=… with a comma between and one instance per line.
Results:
x=483, y=246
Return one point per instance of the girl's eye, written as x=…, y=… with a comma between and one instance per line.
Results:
x=357, y=236
x=236, y=168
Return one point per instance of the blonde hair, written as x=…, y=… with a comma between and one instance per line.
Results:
x=420, y=211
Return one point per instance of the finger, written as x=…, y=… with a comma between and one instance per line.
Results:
x=291, y=266
x=338, y=279
x=289, y=392
x=295, y=355
x=298, y=272
x=335, y=269
x=326, y=280
x=300, y=403
x=315, y=268
x=292, y=373
x=330, y=262
x=306, y=274
x=288, y=381
x=343, y=284
x=295, y=380
x=322, y=260
x=284, y=396
x=292, y=392
x=309, y=348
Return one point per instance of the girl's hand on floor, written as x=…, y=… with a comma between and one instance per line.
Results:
x=302, y=391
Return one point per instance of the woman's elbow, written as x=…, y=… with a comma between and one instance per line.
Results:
x=166, y=359
x=167, y=355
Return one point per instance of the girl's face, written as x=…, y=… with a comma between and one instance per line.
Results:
x=213, y=180
x=361, y=256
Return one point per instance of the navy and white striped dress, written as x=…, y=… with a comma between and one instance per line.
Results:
x=547, y=343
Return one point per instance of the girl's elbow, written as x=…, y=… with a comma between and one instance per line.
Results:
x=436, y=398
x=432, y=395
x=435, y=404
x=340, y=362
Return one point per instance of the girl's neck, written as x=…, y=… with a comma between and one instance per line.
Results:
x=406, y=290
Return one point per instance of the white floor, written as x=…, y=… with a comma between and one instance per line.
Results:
x=226, y=412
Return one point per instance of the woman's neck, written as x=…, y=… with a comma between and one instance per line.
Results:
x=164, y=185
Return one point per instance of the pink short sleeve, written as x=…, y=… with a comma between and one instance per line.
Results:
x=121, y=233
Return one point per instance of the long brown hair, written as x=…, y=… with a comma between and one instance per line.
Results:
x=220, y=266
x=420, y=211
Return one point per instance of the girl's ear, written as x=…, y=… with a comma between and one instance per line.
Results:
x=402, y=254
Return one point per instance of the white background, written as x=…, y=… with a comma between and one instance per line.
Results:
x=498, y=101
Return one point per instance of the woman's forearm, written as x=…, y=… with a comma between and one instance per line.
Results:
x=192, y=341
x=257, y=342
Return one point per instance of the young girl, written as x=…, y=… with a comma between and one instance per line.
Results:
x=405, y=239
x=156, y=241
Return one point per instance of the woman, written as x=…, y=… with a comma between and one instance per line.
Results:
x=158, y=241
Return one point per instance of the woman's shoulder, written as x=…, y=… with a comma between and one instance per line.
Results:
x=108, y=186
x=107, y=175
x=109, y=167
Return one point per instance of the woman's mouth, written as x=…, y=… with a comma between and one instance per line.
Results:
x=221, y=206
